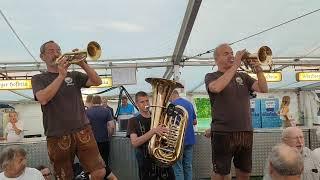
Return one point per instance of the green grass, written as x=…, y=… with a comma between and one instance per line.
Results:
x=203, y=124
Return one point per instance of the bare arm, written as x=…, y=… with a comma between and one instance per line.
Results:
x=46, y=94
x=219, y=84
x=94, y=79
x=16, y=130
x=111, y=127
x=261, y=84
x=138, y=141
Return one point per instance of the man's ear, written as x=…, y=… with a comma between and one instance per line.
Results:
x=41, y=56
x=271, y=170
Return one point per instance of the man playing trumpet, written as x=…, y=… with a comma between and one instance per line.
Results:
x=65, y=123
x=231, y=128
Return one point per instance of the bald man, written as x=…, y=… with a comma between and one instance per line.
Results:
x=285, y=163
x=231, y=128
x=293, y=137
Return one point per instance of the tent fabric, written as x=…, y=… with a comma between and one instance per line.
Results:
x=310, y=104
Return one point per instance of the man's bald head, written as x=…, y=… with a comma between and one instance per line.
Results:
x=217, y=49
x=285, y=161
x=293, y=136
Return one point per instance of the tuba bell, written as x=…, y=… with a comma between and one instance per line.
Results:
x=264, y=57
x=167, y=149
x=93, y=51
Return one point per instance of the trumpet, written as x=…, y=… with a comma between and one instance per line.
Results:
x=93, y=51
x=264, y=57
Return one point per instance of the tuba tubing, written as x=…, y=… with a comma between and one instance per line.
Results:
x=166, y=150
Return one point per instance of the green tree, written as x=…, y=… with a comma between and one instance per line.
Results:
x=203, y=107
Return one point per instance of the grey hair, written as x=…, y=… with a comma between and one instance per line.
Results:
x=8, y=155
x=215, y=51
x=43, y=46
x=286, y=161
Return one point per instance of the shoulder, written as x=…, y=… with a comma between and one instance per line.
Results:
x=40, y=76
x=33, y=171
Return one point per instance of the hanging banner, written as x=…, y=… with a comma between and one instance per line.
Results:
x=106, y=82
x=270, y=77
x=308, y=76
x=15, y=84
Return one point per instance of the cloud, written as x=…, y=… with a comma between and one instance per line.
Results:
x=126, y=27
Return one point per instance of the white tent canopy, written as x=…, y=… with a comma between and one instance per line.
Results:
x=151, y=35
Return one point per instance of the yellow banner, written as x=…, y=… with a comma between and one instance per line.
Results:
x=15, y=84
x=106, y=82
x=308, y=76
x=270, y=77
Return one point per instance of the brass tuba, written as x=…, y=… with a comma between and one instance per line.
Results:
x=166, y=150
x=93, y=51
x=264, y=57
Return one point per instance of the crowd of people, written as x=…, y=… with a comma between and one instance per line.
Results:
x=84, y=129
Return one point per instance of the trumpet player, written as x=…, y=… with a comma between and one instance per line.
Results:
x=65, y=123
x=231, y=129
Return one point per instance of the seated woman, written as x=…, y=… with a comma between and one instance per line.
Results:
x=287, y=120
x=13, y=163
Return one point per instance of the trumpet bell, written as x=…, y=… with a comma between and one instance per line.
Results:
x=94, y=50
x=265, y=55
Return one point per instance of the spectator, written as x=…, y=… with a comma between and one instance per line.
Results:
x=285, y=163
x=14, y=128
x=46, y=173
x=105, y=104
x=125, y=108
x=13, y=163
x=103, y=128
x=293, y=137
x=183, y=167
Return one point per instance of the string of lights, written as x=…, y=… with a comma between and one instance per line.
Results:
x=255, y=34
x=17, y=36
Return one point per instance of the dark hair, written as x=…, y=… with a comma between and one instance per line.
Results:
x=140, y=94
x=9, y=153
x=43, y=46
x=89, y=98
x=96, y=99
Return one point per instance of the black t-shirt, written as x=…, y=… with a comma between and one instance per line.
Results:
x=65, y=112
x=148, y=169
x=231, y=107
x=139, y=125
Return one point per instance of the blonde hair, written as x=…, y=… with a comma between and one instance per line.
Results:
x=285, y=101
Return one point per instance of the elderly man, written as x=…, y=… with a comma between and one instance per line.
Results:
x=293, y=137
x=285, y=163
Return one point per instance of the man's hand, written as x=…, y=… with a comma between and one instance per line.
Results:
x=79, y=58
x=207, y=133
x=63, y=66
x=255, y=65
x=238, y=57
x=160, y=130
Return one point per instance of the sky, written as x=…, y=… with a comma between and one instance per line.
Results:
x=150, y=28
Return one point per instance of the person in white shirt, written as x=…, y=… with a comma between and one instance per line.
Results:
x=285, y=163
x=13, y=163
x=293, y=137
x=14, y=128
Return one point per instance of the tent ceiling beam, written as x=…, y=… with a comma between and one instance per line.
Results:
x=196, y=87
x=185, y=31
x=106, y=64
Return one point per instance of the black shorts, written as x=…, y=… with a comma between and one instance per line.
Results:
x=228, y=145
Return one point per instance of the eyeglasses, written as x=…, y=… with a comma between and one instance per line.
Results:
x=295, y=138
x=48, y=174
